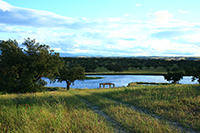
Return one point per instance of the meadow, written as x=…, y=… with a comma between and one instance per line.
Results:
x=140, y=109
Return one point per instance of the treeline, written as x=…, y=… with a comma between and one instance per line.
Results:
x=123, y=64
x=176, y=68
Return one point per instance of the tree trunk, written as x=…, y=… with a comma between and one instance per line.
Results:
x=68, y=84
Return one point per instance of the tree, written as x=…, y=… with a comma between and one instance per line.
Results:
x=194, y=72
x=70, y=74
x=114, y=67
x=174, y=77
x=174, y=74
x=175, y=68
x=21, y=69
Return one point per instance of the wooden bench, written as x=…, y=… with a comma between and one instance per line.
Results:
x=106, y=84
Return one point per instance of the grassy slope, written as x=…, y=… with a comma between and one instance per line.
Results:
x=179, y=103
x=62, y=111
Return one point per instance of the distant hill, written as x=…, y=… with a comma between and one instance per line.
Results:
x=169, y=57
x=140, y=57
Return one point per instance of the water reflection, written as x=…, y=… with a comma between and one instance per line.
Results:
x=118, y=80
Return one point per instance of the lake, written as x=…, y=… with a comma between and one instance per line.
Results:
x=118, y=80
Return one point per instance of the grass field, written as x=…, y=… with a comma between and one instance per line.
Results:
x=162, y=108
x=90, y=78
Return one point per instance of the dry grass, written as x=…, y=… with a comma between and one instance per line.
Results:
x=48, y=112
x=130, y=119
x=179, y=103
x=63, y=111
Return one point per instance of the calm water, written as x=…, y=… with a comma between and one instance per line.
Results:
x=118, y=80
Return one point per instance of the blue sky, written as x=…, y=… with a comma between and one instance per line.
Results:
x=105, y=27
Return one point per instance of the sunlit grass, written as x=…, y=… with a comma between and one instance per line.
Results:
x=130, y=119
x=179, y=103
x=48, y=112
x=63, y=111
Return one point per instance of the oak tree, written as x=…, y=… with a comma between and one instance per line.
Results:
x=21, y=68
x=71, y=73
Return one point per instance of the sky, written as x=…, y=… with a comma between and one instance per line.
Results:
x=121, y=28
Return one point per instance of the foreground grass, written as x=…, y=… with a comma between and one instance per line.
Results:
x=131, y=120
x=180, y=103
x=63, y=111
x=47, y=112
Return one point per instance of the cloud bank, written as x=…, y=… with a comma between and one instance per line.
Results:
x=138, y=5
x=184, y=12
x=157, y=34
x=160, y=17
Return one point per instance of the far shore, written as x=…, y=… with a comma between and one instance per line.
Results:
x=127, y=73
x=122, y=73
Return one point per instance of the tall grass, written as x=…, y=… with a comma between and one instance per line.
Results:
x=179, y=103
x=63, y=111
x=48, y=112
x=132, y=120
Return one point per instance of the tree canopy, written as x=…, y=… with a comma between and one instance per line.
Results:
x=195, y=72
x=175, y=73
x=70, y=74
x=21, y=68
x=174, y=77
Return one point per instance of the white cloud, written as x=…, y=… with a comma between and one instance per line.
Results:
x=81, y=51
x=184, y=12
x=160, y=17
x=122, y=36
x=4, y=6
x=127, y=14
x=193, y=38
x=160, y=45
x=76, y=46
x=172, y=33
x=138, y=5
x=17, y=16
x=57, y=50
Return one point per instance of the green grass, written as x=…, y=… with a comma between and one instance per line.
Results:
x=132, y=120
x=90, y=78
x=153, y=83
x=63, y=111
x=48, y=112
x=180, y=103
